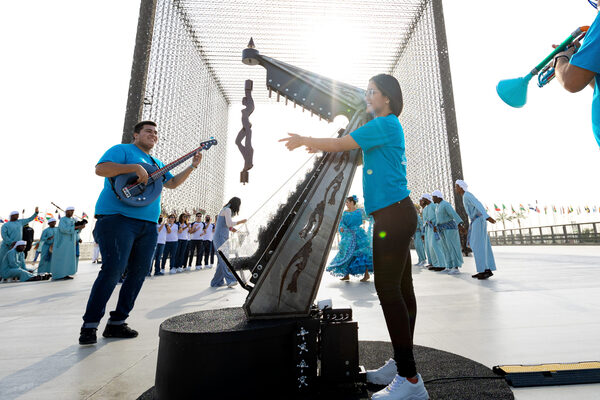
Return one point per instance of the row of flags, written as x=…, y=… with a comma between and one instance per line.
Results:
x=43, y=218
x=546, y=209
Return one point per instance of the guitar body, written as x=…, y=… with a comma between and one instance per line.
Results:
x=138, y=195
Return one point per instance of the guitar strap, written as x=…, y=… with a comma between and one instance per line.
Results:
x=112, y=185
x=157, y=166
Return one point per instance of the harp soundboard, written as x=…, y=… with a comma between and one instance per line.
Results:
x=287, y=275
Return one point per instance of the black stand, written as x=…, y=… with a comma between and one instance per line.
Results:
x=220, y=354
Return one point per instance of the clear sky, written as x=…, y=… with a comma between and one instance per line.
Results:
x=65, y=75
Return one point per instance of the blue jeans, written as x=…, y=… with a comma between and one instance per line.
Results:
x=209, y=250
x=158, y=253
x=170, y=251
x=124, y=243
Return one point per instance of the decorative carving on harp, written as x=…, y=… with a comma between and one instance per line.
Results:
x=287, y=267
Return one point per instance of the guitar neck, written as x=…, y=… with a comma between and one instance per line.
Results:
x=160, y=172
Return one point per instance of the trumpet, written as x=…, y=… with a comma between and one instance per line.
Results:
x=514, y=91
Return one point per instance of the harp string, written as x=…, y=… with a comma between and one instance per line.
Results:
x=246, y=245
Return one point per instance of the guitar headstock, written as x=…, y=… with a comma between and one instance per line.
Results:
x=208, y=143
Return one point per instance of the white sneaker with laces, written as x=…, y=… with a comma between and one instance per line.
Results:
x=383, y=375
x=198, y=267
x=172, y=271
x=402, y=389
x=232, y=284
x=179, y=269
x=187, y=269
x=162, y=270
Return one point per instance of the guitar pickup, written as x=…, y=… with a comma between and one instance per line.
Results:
x=126, y=192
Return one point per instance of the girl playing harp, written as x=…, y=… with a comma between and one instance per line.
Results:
x=386, y=199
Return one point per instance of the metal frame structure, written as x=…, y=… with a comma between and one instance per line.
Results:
x=186, y=73
x=174, y=85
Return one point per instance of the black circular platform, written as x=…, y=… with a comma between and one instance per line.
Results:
x=199, y=350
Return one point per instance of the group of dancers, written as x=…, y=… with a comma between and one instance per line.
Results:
x=437, y=238
x=59, y=248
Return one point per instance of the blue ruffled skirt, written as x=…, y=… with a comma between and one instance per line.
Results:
x=355, y=254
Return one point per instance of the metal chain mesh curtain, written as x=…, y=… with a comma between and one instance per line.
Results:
x=184, y=98
x=428, y=118
x=189, y=99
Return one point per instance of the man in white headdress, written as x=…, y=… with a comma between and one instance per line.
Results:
x=478, y=239
x=419, y=238
x=64, y=259
x=436, y=254
x=13, y=265
x=448, y=222
x=12, y=231
x=46, y=246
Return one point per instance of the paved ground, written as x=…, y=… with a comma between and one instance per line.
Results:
x=541, y=306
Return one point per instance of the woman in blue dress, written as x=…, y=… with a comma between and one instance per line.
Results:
x=355, y=254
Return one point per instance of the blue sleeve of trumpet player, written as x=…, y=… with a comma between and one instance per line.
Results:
x=588, y=57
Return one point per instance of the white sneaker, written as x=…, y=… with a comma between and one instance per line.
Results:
x=198, y=267
x=208, y=266
x=383, y=375
x=179, y=270
x=172, y=271
x=187, y=269
x=162, y=270
x=454, y=271
x=401, y=389
x=232, y=284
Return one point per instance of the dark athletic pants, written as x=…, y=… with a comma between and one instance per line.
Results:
x=196, y=246
x=182, y=245
x=170, y=253
x=394, y=227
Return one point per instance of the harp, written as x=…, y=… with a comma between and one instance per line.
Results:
x=287, y=267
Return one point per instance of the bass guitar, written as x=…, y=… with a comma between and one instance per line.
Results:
x=142, y=194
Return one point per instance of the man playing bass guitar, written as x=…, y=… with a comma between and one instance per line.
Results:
x=126, y=234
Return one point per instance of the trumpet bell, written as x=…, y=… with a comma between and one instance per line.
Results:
x=514, y=91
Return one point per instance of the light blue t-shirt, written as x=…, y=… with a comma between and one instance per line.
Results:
x=588, y=57
x=384, y=162
x=108, y=203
